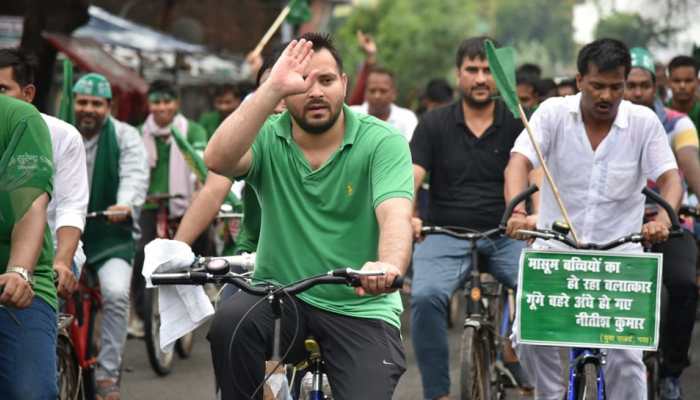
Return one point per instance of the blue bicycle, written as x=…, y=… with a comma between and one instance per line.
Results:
x=586, y=377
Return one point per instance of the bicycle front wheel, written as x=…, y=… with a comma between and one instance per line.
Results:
x=588, y=385
x=160, y=361
x=69, y=374
x=476, y=365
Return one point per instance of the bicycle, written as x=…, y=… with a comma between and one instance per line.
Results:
x=161, y=361
x=586, y=376
x=482, y=374
x=76, y=349
x=217, y=270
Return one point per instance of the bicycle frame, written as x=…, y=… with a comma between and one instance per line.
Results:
x=83, y=307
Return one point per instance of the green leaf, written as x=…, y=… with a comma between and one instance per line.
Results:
x=65, y=111
x=299, y=12
x=502, y=65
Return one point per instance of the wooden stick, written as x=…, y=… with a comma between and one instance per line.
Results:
x=271, y=31
x=557, y=196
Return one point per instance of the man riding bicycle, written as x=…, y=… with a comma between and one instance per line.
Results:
x=68, y=205
x=335, y=189
x=28, y=301
x=118, y=180
x=600, y=150
x=465, y=149
x=169, y=173
x=680, y=253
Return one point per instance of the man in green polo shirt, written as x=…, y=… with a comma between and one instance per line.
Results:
x=335, y=190
x=28, y=300
x=169, y=174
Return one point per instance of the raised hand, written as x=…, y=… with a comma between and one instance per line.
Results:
x=368, y=46
x=287, y=75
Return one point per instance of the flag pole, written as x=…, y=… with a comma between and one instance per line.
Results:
x=547, y=174
x=271, y=31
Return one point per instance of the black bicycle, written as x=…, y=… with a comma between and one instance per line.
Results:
x=217, y=270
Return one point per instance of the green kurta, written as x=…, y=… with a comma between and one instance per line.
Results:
x=26, y=172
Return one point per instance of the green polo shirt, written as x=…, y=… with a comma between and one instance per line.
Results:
x=316, y=221
x=26, y=172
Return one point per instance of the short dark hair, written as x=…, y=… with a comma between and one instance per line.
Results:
x=23, y=65
x=324, y=41
x=530, y=69
x=683, y=61
x=378, y=69
x=544, y=86
x=226, y=88
x=606, y=54
x=163, y=86
x=568, y=82
x=472, y=48
x=527, y=79
x=438, y=90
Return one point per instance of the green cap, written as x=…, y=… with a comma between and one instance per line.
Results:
x=93, y=84
x=641, y=58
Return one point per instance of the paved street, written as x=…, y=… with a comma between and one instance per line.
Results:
x=193, y=378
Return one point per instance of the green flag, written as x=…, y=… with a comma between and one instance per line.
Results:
x=299, y=12
x=502, y=65
x=65, y=111
x=196, y=164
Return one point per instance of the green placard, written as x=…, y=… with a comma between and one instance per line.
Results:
x=589, y=299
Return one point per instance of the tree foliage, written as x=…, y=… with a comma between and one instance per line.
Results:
x=416, y=39
x=630, y=28
x=536, y=24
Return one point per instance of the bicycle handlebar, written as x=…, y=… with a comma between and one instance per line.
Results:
x=547, y=234
x=105, y=213
x=217, y=270
x=514, y=202
x=460, y=233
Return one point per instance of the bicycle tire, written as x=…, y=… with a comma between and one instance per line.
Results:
x=68, y=370
x=89, y=385
x=475, y=365
x=651, y=361
x=588, y=385
x=184, y=345
x=160, y=361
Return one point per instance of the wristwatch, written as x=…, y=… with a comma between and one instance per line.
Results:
x=23, y=272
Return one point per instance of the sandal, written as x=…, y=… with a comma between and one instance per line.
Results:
x=107, y=389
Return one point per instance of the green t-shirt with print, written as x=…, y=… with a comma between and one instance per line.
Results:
x=26, y=172
x=315, y=221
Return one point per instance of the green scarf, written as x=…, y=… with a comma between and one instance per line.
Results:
x=104, y=240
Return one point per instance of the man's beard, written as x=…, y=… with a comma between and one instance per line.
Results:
x=90, y=130
x=471, y=102
x=315, y=129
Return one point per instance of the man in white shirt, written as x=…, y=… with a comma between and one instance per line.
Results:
x=380, y=94
x=118, y=174
x=68, y=205
x=601, y=150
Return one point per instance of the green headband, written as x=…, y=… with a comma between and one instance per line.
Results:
x=160, y=96
x=93, y=84
x=641, y=58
